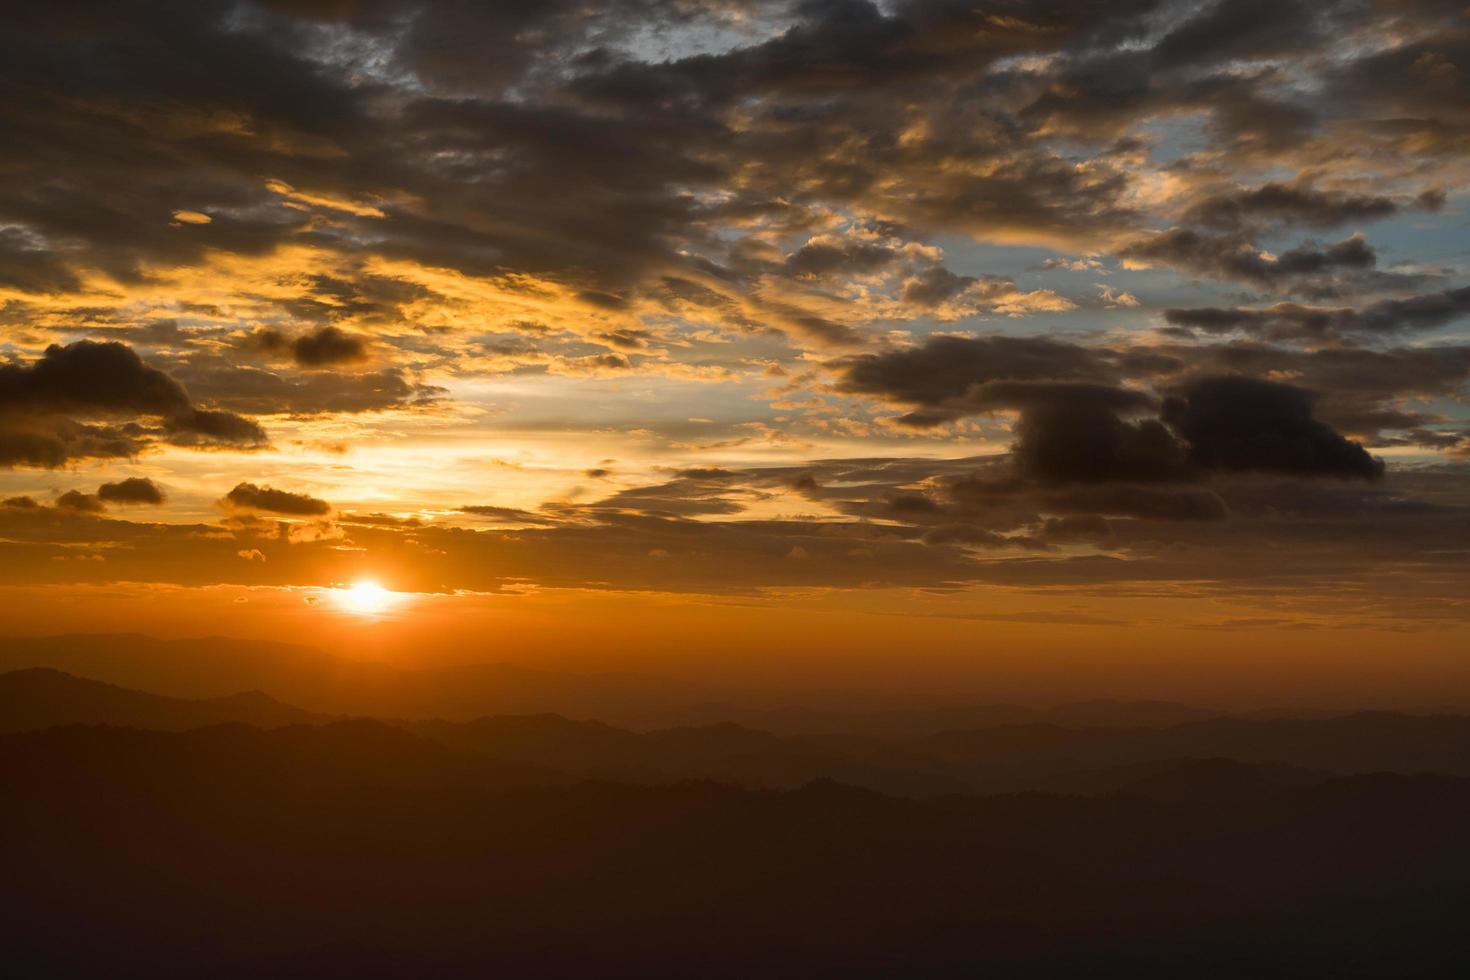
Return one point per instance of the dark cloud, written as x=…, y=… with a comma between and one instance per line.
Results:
x=507, y=515
x=1309, y=268
x=1289, y=205
x=82, y=503
x=250, y=496
x=1086, y=442
x=1341, y=372
x=934, y=286
x=40, y=403
x=946, y=368
x=324, y=347
x=214, y=427
x=1293, y=321
x=50, y=442
x=1411, y=95
x=27, y=266
x=247, y=389
x=133, y=490
x=848, y=257
x=90, y=377
x=1246, y=424
x=1243, y=29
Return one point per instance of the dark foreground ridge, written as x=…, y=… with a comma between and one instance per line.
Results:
x=360, y=849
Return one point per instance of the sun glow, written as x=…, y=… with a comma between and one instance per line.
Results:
x=366, y=598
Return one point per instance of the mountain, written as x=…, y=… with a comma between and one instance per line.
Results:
x=916, y=722
x=42, y=698
x=336, y=758
x=1007, y=756
x=1004, y=758
x=319, y=682
x=721, y=752
x=1216, y=782
x=358, y=849
x=306, y=676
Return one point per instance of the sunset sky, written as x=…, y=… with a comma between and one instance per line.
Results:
x=1066, y=345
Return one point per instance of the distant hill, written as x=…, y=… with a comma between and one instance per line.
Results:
x=354, y=756
x=899, y=723
x=316, y=681
x=358, y=849
x=1010, y=756
x=1216, y=782
x=720, y=752
x=1005, y=758
x=42, y=698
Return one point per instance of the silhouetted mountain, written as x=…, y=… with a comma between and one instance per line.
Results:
x=355, y=849
x=355, y=755
x=307, y=677
x=1216, y=782
x=918, y=722
x=723, y=753
x=41, y=698
x=1009, y=756
x=315, y=681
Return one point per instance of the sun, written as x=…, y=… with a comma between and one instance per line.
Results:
x=366, y=598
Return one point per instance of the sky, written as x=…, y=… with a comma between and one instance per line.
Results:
x=1046, y=346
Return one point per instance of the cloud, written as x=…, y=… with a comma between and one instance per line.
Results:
x=507, y=515
x=1289, y=205
x=250, y=496
x=944, y=369
x=82, y=503
x=1293, y=321
x=1078, y=436
x=324, y=347
x=1245, y=424
x=213, y=427
x=1081, y=431
x=133, y=490
x=1310, y=267
x=248, y=389
x=88, y=376
x=706, y=190
x=109, y=380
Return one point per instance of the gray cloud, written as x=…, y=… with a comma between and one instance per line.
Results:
x=133, y=490
x=47, y=407
x=1293, y=321
x=250, y=496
